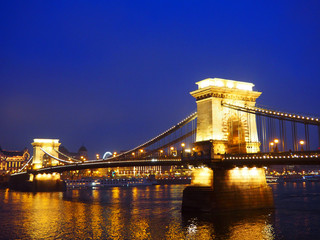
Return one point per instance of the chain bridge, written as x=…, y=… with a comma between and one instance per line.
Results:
x=229, y=133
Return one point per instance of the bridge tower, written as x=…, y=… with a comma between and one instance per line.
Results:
x=40, y=159
x=228, y=130
x=222, y=130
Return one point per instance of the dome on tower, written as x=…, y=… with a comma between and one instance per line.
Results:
x=82, y=149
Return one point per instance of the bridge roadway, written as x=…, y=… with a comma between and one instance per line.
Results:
x=217, y=161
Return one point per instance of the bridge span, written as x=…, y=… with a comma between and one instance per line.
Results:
x=227, y=161
x=228, y=131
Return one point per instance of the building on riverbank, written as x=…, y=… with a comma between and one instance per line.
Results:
x=12, y=161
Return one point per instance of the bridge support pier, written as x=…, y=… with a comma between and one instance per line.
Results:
x=29, y=182
x=229, y=189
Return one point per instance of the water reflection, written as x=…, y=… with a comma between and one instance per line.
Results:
x=153, y=212
x=232, y=225
x=122, y=213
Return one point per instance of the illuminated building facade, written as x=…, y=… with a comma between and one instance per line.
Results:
x=142, y=171
x=12, y=161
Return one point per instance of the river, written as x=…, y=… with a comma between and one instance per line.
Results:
x=153, y=212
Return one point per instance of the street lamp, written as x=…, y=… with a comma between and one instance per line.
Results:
x=276, y=141
x=161, y=151
x=182, y=145
x=97, y=156
x=301, y=144
x=172, y=148
x=141, y=152
x=271, y=146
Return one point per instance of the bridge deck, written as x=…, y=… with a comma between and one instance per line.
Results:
x=217, y=161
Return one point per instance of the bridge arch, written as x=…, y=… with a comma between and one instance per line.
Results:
x=236, y=135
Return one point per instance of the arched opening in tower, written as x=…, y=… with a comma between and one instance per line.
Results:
x=236, y=136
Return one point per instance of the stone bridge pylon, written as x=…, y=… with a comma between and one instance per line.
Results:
x=230, y=131
x=223, y=130
x=40, y=159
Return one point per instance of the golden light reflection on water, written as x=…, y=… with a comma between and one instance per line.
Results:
x=6, y=195
x=252, y=230
x=139, y=228
x=123, y=213
x=96, y=220
x=174, y=231
x=116, y=193
x=134, y=193
x=236, y=225
x=115, y=224
x=44, y=216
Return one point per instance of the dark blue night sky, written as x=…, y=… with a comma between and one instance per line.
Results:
x=112, y=74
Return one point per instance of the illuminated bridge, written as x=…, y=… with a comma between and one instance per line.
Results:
x=228, y=130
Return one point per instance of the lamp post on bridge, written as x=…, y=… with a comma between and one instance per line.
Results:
x=271, y=144
x=301, y=142
x=182, y=145
x=276, y=141
x=160, y=152
x=171, y=150
x=141, y=152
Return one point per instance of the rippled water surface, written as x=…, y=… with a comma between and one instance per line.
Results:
x=153, y=212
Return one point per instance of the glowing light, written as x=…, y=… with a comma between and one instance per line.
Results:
x=245, y=173
x=202, y=177
x=230, y=84
x=40, y=140
x=219, y=82
x=245, y=86
x=48, y=176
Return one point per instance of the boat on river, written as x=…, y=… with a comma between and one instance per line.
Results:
x=311, y=178
x=299, y=178
x=271, y=179
x=106, y=183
